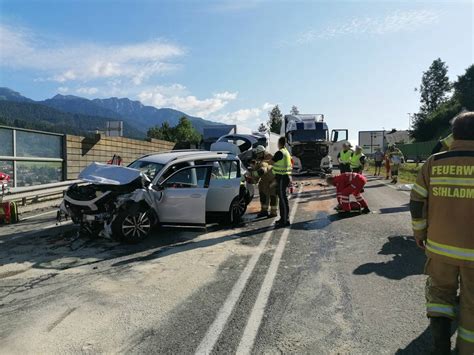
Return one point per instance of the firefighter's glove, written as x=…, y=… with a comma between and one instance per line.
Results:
x=420, y=241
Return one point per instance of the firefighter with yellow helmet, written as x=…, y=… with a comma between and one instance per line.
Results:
x=441, y=205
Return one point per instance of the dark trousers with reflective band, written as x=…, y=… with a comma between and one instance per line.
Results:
x=442, y=285
x=268, y=200
x=345, y=168
x=283, y=181
x=394, y=169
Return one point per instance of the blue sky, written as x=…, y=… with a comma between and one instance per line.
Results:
x=357, y=62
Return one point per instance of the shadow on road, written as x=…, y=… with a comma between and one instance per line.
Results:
x=67, y=250
x=321, y=221
x=422, y=343
x=183, y=247
x=419, y=345
x=403, y=208
x=407, y=260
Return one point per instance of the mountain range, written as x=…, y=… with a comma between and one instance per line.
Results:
x=78, y=113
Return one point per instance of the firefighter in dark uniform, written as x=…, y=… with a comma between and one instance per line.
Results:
x=441, y=206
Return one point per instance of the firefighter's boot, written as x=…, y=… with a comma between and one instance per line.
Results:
x=441, y=333
x=273, y=214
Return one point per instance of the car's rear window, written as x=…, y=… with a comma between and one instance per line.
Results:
x=150, y=169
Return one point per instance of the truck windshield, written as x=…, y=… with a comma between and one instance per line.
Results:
x=309, y=135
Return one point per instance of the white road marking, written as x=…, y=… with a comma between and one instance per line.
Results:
x=216, y=328
x=393, y=187
x=255, y=319
x=38, y=215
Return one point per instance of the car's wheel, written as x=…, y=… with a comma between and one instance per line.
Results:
x=244, y=199
x=133, y=225
x=236, y=211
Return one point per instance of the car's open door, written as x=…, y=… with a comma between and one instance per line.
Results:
x=183, y=196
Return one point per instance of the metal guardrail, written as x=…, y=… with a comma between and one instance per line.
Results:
x=34, y=193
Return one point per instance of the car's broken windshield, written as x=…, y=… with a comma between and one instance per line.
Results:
x=150, y=169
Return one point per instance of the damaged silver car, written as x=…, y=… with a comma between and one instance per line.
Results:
x=189, y=188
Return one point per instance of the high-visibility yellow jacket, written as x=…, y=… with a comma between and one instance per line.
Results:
x=283, y=166
x=345, y=156
x=442, y=205
x=355, y=160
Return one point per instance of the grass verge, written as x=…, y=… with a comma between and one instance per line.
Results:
x=406, y=175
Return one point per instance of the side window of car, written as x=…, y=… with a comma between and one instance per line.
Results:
x=172, y=169
x=234, y=169
x=224, y=170
x=218, y=171
x=189, y=178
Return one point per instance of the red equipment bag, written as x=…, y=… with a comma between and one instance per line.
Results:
x=8, y=212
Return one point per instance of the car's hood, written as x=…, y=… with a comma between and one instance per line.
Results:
x=106, y=174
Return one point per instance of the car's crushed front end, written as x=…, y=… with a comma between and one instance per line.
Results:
x=111, y=193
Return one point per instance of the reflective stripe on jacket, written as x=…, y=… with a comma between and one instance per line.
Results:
x=445, y=191
x=346, y=179
x=283, y=166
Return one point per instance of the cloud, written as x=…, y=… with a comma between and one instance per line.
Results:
x=176, y=96
x=250, y=117
x=87, y=90
x=241, y=116
x=137, y=62
x=268, y=106
x=63, y=89
x=396, y=22
x=229, y=96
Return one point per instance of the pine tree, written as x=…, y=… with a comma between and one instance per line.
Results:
x=262, y=128
x=275, y=119
x=294, y=110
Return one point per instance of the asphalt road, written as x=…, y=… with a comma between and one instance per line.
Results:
x=325, y=286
